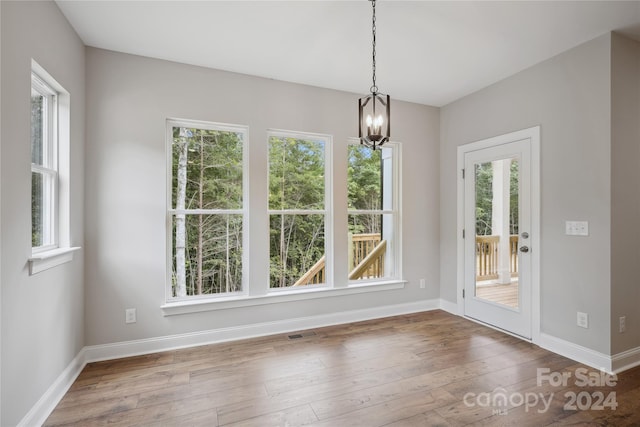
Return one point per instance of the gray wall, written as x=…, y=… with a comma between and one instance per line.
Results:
x=130, y=97
x=570, y=97
x=42, y=315
x=625, y=191
x=0, y=215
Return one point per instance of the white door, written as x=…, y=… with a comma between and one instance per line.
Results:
x=498, y=236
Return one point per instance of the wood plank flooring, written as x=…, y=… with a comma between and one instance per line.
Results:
x=425, y=369
x=502, y=294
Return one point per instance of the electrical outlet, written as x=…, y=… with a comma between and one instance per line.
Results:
x=583, y=320
x=423, y=283
x=130, y=315
x=623, y=323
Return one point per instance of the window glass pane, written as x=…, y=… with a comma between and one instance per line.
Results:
x=38, y=121
x=365, y=178
x=37, y=209
x=207, y=169
x=207, y=254
x=370, y=238
x=370, y=190
x=297, y=250
x=296, y=173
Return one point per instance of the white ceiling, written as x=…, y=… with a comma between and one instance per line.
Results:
x=430, y=52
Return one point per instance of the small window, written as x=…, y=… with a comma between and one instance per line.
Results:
x=373, y=214
x=298, y=210
x=207, y=208
x=44, y=165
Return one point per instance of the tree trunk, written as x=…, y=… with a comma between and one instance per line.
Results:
x=283, y=254
x=181, y=282
x=226, y=276
x=200, y=218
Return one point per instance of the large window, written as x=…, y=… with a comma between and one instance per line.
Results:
x=372, y=208
x=292, y=247
x=44, y=165
x=207, y=208
x=298, y=185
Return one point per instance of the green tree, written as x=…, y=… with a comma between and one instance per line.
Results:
x=364, y=188
x=484, y=198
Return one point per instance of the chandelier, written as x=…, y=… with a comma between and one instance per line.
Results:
x=374, y=109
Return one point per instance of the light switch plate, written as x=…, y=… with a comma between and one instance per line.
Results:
x=577, y=228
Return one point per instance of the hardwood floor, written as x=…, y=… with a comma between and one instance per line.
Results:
x=422, y=369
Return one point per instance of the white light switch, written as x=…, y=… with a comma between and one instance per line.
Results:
x=577, y=228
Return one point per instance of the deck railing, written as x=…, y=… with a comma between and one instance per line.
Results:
x=372, y=265
x=367, y=252
x=314, y=275
x=366, y=260
x=487, y=256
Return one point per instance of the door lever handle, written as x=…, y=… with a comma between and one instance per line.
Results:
x=524, y=249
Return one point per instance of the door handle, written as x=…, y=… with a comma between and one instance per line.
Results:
x=524, y=249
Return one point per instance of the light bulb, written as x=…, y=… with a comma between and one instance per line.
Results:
x=369, y=120
x=377, y=125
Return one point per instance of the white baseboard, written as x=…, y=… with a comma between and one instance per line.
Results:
x=448, y=306
x=192, y=339
x=576, y=352
x=50, y=399
x=47, y=403
x=611, y=364
x=626, y=360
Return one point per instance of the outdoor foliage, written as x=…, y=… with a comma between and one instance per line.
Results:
x=484, y=198
x=37, y=218
x=365, y=189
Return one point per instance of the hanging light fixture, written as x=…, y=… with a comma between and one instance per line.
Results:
x=374, y=109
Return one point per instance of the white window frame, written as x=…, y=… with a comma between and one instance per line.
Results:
x=49, y=167
x=328, y=205
x=171, y=212
x=58, y=249
x=261, y=293
x=393, y=258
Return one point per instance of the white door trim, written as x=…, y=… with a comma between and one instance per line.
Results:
x=533, y=134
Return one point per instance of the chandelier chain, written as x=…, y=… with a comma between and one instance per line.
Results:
x=374, y=88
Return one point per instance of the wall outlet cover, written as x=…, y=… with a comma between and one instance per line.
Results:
x=583, y=320
x=130, y=315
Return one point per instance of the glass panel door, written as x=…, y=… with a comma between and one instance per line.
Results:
x=496, y=231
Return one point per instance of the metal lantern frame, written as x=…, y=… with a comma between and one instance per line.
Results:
x=369, y=134
x=374, y=109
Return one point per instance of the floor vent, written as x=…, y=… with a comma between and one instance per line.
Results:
x=301, y=335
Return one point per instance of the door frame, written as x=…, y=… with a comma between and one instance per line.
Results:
x=533, y=134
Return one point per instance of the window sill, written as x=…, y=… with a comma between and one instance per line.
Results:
x=45, y=260
x=223, y=303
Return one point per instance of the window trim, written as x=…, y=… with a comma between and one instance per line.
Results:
x=170, y=123
x=327, y=211
x=46, y=257
x=282, y=296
